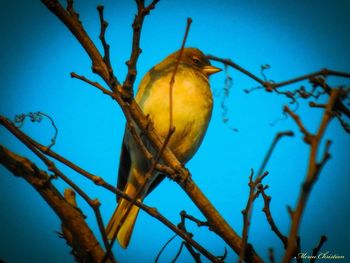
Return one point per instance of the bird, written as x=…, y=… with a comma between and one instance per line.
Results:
x=192, y=105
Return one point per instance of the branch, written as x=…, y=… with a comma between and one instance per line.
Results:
x=314, y=168
x=253, y=194
x=190, y=249
x=317, y=78
x=315, y=251
x=70, y=217
x=270, y=220
x=271, y=256
x=163, y=248
x=272, y=147
x=308, y=137
x=104, y=25
x=142, y=11
x=232, y=64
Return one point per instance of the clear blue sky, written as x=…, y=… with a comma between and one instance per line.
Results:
x=37, y=53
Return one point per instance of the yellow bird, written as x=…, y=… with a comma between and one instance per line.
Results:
x=192, y=107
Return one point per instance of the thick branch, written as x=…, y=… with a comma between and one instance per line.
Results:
x=70, y=217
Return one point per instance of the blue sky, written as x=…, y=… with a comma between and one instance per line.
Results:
x=294, y=37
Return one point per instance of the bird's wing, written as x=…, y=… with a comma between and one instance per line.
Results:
x=124, y=168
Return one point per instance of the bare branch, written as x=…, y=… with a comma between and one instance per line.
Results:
x=314, y=168
x=253, y=194
x=267, y=211
x=164, y=247
x=232, y=64
x=308, y=137
x=193, y=219
x=272, y=147
x=317, y=249
x=142, y=11
x=69, y=215
x=316, y=78
x=190, y=249
x=271, y=256
x=104, y=25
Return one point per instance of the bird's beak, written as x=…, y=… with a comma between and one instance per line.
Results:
x=209, y=70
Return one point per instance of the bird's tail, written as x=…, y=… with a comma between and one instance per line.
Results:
x=123, y=219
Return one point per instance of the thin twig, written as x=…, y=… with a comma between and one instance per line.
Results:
x=270, y=220
x=192, y=218
x=322, y=72
x=104, y=25
x=271, y=255
x=317, y=249
x=172, y=79
x=308, y=137
x=163, y=248
x=272, y=147
x=178, y=252
x=253, y=194
x=182, y=226
x=142, y=11
x=236, y=66
x=273, y=86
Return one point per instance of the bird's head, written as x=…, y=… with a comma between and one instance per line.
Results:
x=195, y=58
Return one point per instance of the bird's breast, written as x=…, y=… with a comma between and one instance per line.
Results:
x=192, y=104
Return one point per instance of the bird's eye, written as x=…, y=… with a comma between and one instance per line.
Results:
x=196, y=60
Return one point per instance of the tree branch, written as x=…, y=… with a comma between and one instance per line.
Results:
x=253, y=194
x=70, y=217
x=313, y=171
